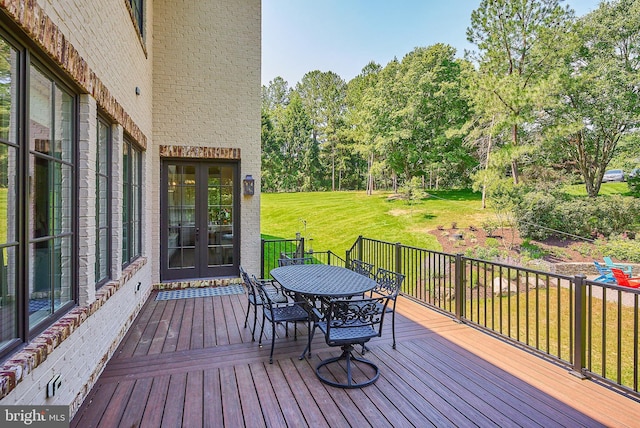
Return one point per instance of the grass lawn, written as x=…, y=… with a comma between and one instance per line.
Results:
x=335, y=219
x=605, y=189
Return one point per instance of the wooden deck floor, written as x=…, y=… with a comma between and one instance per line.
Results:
x=191, y=363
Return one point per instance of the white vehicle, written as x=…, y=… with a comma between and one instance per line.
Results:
x=613, y=175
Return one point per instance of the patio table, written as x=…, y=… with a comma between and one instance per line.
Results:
x=318, y=283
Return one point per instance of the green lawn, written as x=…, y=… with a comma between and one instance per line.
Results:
x=335, y=219
x=605, y=189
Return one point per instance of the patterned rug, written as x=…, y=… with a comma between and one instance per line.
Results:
x=189, y=293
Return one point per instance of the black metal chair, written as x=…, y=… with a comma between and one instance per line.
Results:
x=388, y=285
x=363, y=268
x=288, y=261
x=349, y=323
x=277, y=312
x=253, y=299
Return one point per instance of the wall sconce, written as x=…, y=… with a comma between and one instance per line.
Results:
x=248, y=184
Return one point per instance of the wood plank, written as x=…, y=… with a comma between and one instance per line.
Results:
x=291, y=412
x=99, y=399
x=197, y=327
x=173, y=331
x=173, y=409
x=184, y=337
x=160, y=335
x=209, y=333
x=268, y=402
x=249, y=399
x=113, y=413
x=212, y=397
x=154, y=410
x=193, y=401
x=231, y=405
x=132, y=415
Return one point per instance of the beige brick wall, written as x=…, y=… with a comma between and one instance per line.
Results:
x=104, y=35
x=207, y=93
x=202, y=88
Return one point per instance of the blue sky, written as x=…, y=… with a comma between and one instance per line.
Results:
x=342, y=36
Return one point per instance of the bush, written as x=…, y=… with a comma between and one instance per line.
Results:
x=620, y=247
x=634, y=185
x=541, y=215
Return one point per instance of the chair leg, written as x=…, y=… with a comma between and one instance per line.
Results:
x=273, y=341
x=261, y=331
x=393, y=328
x=255, y=320
x=246, y=317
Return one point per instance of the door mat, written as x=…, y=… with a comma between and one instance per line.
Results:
x=189, y=293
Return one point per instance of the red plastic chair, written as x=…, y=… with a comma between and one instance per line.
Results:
x=624, y=280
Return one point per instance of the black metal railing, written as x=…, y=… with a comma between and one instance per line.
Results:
x=272, y=249
x=591, y=327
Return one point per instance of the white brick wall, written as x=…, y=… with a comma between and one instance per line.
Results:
x=198, y=70
x=207, y=62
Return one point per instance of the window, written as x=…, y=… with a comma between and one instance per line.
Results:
x=137, y=10
x=131, y=204
x=51, y=205
x=38, y=198
x=103, y=206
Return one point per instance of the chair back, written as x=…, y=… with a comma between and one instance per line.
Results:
x=608, y=261
x=247, y=281
x=262, y=294
x=623, y=279
x=363, y=268
x=295, y=261
x=601, y=269
x=354, y=321
x=388, y=283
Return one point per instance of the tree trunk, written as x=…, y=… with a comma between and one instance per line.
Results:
x=514, y=163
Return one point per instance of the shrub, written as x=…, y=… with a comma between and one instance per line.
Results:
x=634, y=185
x=620, y=247
x=541, y=215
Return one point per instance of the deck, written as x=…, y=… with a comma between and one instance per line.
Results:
x=190, y=362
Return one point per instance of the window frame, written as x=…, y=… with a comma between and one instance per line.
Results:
x=108, y=178
x=136, y=8
x=131, y=201
x=62, y=236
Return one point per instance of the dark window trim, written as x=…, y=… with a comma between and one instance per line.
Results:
x=109, y=178
x=133, y=253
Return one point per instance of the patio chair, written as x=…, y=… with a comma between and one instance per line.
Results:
x=295, y=261
x=605, y=273
x=624, y=280
x=349, y=323
x=628, y=269
x=363, y=268
x=280, y=313
x=277, y=295
x=388, y=285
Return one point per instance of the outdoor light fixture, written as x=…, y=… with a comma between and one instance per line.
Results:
x=249, y=185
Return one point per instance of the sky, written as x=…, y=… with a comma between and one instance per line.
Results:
x=299, y=36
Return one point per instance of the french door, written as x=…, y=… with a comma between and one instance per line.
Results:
x=199, y=217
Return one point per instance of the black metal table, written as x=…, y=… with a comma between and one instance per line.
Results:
x=320, y=283
x=322, y=280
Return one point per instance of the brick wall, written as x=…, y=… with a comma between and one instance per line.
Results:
x=207, y=62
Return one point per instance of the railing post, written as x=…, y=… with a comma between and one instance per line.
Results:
x=459, y=287
x=262, y=244
x=398, y=258
x=359, y=247
x=579, y=326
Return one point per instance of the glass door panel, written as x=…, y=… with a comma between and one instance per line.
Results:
x=198, y=215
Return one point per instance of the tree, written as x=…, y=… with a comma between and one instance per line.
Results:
x=323, y=95
x=600, y=101
x=519, y=52
x=299, y=150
